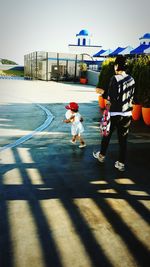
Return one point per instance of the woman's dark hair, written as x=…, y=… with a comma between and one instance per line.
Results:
x=121, y=62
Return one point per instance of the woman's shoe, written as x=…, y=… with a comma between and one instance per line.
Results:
x=99, y=156
x=120, y=166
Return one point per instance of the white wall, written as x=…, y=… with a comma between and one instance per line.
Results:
x=91, y=50
x=145, y=41
x=93, y=77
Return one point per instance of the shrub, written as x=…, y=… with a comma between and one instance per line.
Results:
x=83, y=70
x=144, y=85
x=7, y=61
x=139, y=68
x=106, y=73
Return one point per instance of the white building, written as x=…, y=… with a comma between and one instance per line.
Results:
x=83, y=44
x=145, y=39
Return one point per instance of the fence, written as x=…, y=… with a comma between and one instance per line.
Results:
x=53, y=66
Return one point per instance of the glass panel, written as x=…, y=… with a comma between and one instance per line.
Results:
x=52, y=66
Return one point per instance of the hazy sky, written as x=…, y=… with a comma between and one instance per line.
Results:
x=50, y=25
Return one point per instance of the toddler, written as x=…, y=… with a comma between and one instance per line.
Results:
x=73, y=116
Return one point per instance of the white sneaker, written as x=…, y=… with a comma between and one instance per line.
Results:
x=82, y=145
x=99, y=156
x=120, y=166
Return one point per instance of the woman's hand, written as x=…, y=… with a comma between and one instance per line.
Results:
x=100, y=91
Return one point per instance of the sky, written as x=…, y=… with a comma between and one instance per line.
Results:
x=50, y=25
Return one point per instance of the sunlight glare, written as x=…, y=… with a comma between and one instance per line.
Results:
x=25, y=155
x=23, y=232
x=103, y=232
x=67, y=241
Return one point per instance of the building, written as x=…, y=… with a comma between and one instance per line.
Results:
x=48, y=66
x=63, y=66
x=84, y=44
x=145, y=39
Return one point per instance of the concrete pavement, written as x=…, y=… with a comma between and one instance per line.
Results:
x=59, y=206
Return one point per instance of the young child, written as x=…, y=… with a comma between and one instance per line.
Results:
x=73, y=116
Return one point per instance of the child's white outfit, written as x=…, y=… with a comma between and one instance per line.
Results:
x=76, y=127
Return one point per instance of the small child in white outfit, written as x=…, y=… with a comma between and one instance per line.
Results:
x=73, y=116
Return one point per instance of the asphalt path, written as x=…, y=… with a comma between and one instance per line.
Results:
x=59, y=206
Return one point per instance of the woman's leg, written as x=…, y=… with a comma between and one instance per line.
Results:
x=122, y=130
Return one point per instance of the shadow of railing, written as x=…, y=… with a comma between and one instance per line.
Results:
x=67, y=177
x=67, y=174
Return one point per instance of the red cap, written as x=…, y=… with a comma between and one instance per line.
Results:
x=72, y=106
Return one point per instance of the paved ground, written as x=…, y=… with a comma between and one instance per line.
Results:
x=59, y=206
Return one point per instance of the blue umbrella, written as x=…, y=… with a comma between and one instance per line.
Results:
x=140, y=49
x=117, y=51
x=126, y=51
x=98, y=54
x=106, y=53
x=147, y=51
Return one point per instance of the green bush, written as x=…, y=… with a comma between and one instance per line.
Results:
x=83, y=70
x=138, y=68
x=106, y=73
x=144, y=84
x=7, y=61
x=134, y=68
x=19, y=73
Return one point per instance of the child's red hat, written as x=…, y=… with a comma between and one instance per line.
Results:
x=72, y=106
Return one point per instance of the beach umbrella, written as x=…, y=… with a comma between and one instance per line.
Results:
x=147, y=51
x=106, y=53
x=117, y=51
x=139, y=50
x=126, y=50
x=98, y=54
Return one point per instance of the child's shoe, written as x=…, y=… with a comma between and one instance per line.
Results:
x=82, y=145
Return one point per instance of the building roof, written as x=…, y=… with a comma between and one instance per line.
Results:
x=106, y=53
x=117, y=51
x=126, y=51
x=83, y=32
x=145, y=36
x=99, y=53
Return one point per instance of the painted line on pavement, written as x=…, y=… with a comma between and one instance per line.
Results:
x=21, y=140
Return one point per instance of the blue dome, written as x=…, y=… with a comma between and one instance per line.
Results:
x=146, y=36
x=83, y=32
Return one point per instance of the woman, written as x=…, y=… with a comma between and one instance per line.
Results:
x=121, y=93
